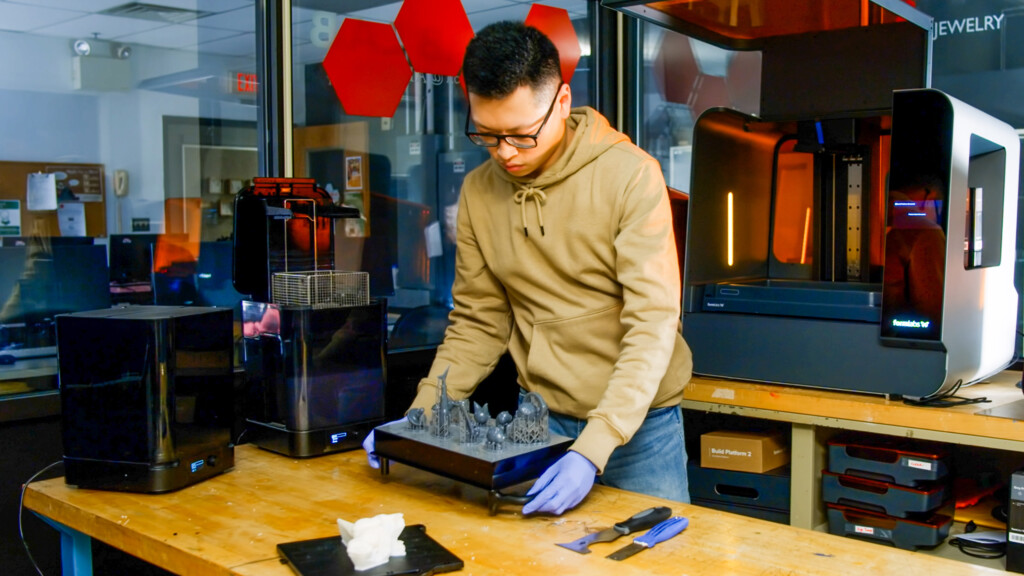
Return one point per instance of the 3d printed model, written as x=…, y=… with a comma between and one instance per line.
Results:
x=453, y=420
x=470, y=445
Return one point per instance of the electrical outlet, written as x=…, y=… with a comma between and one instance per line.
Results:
x=140, y=224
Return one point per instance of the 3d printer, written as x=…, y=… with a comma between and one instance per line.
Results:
x=858, y=233
x=146, y=396
x=314, y=343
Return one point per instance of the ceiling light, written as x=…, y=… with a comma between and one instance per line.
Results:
x=81, y=47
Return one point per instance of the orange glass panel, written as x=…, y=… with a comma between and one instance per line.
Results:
x=752, y=19
x=175, y=255
x=793, y=240
x=880, y=177
x=307, y=230
x=183, y=216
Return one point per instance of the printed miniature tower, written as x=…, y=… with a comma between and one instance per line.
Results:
x=440, y=424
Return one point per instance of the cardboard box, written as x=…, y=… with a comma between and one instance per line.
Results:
x=743, y=451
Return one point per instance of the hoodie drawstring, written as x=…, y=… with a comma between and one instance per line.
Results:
x=539, y=197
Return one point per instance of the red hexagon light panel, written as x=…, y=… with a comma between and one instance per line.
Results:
x=556, y=25
x=709, y=91
x=367, y=68
x=676, y=69
x=435, y=34
x=743, y=81
x=681, y=79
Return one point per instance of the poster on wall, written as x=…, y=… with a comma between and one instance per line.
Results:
x=354, y=172
x=354, y=227
x=10, y=217
x=978, y=53
x=41, y=191
x=71, y=218
x=78, y=183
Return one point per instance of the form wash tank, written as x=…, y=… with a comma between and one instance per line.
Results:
x=314, y=342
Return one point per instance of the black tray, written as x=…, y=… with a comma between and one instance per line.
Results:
x=328, y=557
x=903, y=461
x=900, y=532
x=470, y=463
x=882, y=497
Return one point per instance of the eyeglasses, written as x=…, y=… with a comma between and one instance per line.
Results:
x=522, y=141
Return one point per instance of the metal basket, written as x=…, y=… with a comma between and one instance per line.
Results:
x=321, y=288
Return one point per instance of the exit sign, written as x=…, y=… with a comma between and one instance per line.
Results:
x=245, y=83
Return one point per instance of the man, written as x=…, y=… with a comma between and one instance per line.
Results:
x=566, y=259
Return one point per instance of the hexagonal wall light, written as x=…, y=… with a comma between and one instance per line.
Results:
x=367, y=67
x=675, y=68
x=555, y=23
x=708, y=91
x=435, y=34
x=743, y=82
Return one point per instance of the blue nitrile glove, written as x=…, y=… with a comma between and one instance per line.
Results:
x=368, y=446
x=563, y=485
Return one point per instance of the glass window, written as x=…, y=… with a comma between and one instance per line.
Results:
x=127, y=128
x=403, y=169
x=681, y=78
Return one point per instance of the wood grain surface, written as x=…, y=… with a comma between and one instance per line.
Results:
x=232, y=523
x=1000, y=389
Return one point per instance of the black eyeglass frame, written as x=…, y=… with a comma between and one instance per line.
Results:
x=477, y=137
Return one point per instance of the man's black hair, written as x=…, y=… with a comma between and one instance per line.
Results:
x=506, y=55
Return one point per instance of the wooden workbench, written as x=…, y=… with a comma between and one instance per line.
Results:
x=231, y=524
x=816, y=414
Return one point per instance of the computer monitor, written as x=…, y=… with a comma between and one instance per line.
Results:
x=213, y=276
x=131, y=258
x=12, y=267
x=82, y=276
x=68, y=278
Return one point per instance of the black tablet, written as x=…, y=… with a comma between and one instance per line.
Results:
x=328, y=557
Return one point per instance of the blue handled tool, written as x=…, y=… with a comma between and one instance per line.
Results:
x=659, y=533
x=635, y=523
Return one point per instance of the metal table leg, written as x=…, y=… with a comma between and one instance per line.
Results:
x=75, y=549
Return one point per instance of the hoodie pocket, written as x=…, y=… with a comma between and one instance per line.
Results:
x=577, y=355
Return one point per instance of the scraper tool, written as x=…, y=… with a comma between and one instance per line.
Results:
x=659, y=533
x=635, y=523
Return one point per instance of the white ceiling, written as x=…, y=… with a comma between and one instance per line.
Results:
x=227, y=27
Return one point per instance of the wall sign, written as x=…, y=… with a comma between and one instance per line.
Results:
x=978, y=53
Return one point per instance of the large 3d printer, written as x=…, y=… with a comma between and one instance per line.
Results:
x=859, y=232
x=314, y=343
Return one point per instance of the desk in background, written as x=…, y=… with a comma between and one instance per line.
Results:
x=28, y=389
x=232, y=523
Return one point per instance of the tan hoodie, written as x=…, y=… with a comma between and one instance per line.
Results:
x=574, y=273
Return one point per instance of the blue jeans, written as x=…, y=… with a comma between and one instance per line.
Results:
x=653, y=462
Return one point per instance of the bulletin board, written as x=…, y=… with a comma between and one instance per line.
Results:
x=84, y=183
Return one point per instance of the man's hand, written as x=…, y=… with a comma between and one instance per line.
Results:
x=368, y=445
x=563, y=485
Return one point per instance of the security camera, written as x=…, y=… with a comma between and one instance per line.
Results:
x=123, y=52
